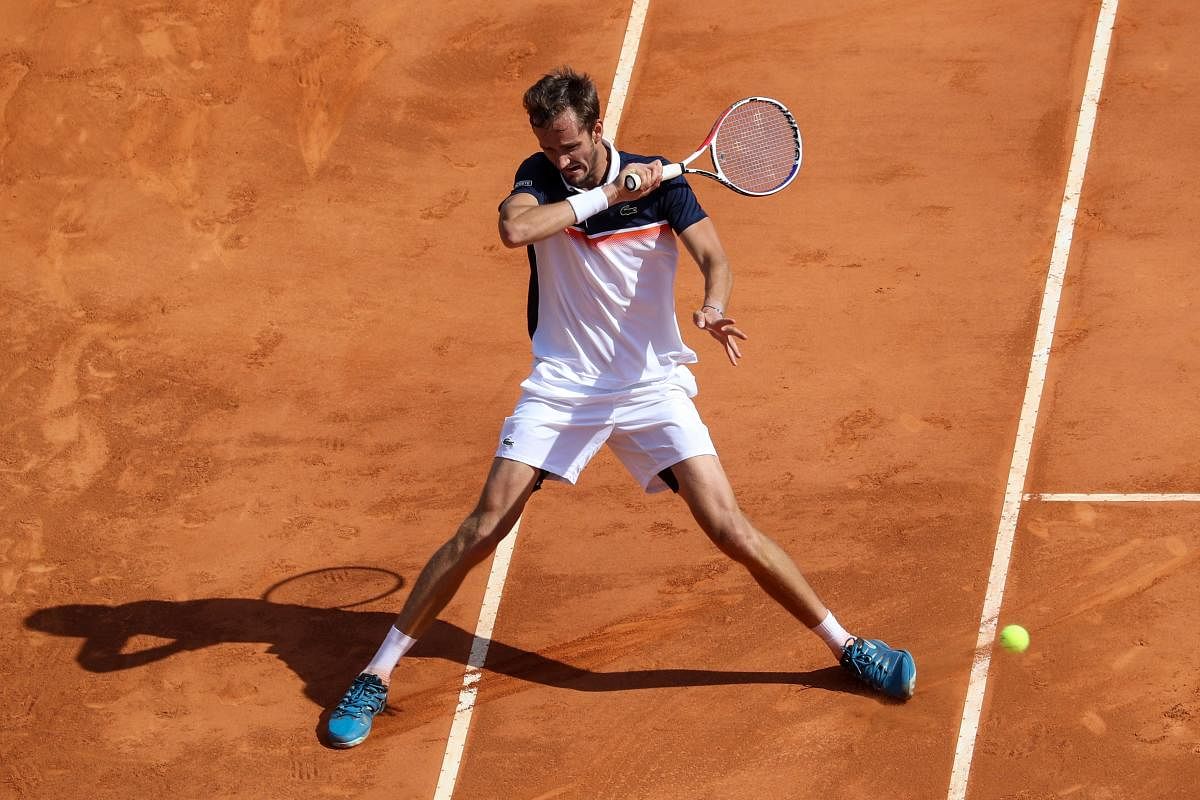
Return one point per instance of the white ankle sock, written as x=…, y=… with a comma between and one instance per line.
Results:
x=833, y=634
x=394, y=646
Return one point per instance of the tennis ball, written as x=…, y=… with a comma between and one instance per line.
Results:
x=1014, y=638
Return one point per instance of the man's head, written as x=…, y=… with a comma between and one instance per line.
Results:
x=564, y=111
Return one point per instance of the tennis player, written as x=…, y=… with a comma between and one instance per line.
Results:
x=609, y=367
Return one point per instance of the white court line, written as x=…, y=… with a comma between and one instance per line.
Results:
x=1066, y=497
x=629, y=49
x=1034, y=388
x=457, y=741
x=479, y=648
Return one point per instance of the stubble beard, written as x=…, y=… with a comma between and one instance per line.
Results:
x=595, y=174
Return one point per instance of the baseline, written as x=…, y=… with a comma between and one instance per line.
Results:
x=1100, y=497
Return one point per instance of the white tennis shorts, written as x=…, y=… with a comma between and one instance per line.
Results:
x=649, y=426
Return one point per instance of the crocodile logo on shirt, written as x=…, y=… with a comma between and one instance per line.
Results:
x=627, y=211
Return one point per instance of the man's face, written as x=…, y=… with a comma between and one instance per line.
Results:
x=577, y=153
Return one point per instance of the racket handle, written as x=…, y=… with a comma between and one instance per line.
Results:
x=633, y=182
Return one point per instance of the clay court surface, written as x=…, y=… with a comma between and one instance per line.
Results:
x=258, y=334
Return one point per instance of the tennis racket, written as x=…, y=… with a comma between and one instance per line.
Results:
x=755, y=149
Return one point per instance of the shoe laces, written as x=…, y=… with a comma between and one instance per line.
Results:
x=867, y=661
x=363, y=695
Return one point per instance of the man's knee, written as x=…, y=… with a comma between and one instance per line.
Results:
x=478, y=535
x=734, y=535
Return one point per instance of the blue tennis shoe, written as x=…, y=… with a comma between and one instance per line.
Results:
x=350, y=722
x=884, y=669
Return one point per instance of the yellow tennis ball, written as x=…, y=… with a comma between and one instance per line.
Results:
x=1014, y=638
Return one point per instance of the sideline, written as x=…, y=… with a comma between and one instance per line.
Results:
x=457, y=741
x=1034, y=387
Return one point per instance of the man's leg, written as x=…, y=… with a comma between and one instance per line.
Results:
x=508, y=487
x=705, y=488
x=501, y=502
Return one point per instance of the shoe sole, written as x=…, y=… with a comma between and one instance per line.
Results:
x=349, y=744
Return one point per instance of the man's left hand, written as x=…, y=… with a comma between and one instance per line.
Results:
x=721, y=328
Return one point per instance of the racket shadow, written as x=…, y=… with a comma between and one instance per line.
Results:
x=324, y=647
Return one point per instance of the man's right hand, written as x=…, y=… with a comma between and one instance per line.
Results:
x=650, y=175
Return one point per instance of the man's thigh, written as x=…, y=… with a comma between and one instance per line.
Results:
x=508, y=486
x=705, y=487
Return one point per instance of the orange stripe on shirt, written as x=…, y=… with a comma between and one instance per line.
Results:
x=616, y=237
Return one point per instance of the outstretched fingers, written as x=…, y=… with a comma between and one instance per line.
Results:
x=724, y=330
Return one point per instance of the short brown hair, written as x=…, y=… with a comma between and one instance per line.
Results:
x=561, y=90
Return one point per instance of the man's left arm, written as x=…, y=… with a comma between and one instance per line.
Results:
x=702, y=242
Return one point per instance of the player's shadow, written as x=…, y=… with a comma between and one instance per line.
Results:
x=324, y=646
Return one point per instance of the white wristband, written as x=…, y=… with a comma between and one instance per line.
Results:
x=589, y=203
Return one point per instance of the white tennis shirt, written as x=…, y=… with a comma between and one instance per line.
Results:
x=602, y=292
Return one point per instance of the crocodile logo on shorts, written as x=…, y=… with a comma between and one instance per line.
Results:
x=628, y=211
x=508, y=441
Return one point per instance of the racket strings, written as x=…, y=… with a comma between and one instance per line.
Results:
x=757, y=147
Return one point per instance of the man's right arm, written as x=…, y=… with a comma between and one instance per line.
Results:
x=523, y=220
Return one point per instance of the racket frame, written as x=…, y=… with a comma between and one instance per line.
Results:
x=678, y=168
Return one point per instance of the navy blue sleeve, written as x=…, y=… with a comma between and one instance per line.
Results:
x=679, y=205
x=531, y=178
